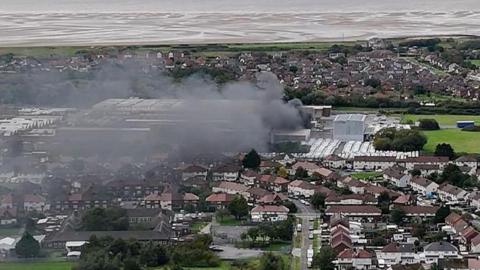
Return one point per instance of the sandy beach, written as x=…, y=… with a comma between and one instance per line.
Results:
x=149, y=24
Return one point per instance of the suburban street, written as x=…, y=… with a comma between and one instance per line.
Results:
x=305, y=213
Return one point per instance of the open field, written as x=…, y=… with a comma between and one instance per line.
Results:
x=461, y=141
x=442, y=119
x=36, y=266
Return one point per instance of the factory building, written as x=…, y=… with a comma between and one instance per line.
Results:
x=349, y=127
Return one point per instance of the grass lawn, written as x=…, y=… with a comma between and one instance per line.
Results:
x=9, y=232
x=198, y=226
x=278, y=246
x=229, y=221
x=461, y=141
x=366, y=175
x=442, y=119
x=316, y=223
x=296, y=263
x=36, y=266
x=476, y=62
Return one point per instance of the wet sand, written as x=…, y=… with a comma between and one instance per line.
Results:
x=51, y=29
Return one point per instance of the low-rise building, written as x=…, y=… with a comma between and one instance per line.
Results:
x=373, y=162
x=355, y=259
x=354, y=212
x=397, y=177
x=439, y=250
x=269, y=213
x=450, y=193
x=397, y=253
x=423, y=185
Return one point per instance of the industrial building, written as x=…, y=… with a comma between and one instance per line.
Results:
x=349, y=127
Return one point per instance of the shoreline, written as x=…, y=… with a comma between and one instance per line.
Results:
x=146, y=44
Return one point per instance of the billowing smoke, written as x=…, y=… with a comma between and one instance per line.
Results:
x=205, y=117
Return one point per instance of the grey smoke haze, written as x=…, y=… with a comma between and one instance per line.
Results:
x=233, y=117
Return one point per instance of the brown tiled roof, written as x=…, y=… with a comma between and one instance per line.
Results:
x=467, y=158
x=232, y=186
x=363, y=197
x=374, y=159
x=334, y=209
x=418, y=209
x=452, y=218
x=270, y=208
x=403, y=199
x=422, y=181
x=220, y=197
x=476, y=240
x=354, y=253
x=190, y=197
x=450, y=189
x=427, y=159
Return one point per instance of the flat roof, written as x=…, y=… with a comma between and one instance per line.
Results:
x=350, y=117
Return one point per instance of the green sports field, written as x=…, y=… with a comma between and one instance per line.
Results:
x=461, y=141
x=36, y=266
x=442, y=119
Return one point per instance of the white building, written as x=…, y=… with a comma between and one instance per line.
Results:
x=397, y=253
x=270, y=213
x=349, y=127
x=439, y=250
x=423, y=185
x=450, y=193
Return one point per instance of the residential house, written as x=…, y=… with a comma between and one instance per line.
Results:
x=468, y=161
x=439, y=250
x=219, y=200
x=451, y=194
x=427, y=169
x=226, y=172
x=474, y=199
x=351, y=199
x=8, y=216
x=475, y=244
x=248, y=177
x=397, y=177
x=300, y=188
x=334, y=162
x=273, y=183
x=354, y=212
x=397, y=253
x=418, y=211
x=423, y=185
x=7, y=201
x=373, y=162
x=354, y=259
x=270, y=213
x=194, y=171
x=423, y=160
x=34, y=202
x=231, y=188
x=459, y=264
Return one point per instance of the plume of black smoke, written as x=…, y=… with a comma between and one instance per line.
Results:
x=233, y=117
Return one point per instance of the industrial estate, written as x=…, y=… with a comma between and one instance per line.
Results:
x=356, y=155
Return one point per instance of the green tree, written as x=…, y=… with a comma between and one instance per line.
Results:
x=428, y=124
x=251, y=160
x=27, y=247
x=441, y=214
x=318, y=200
x=153, y=255
x=301, y=173
x=291, y=206
x=238, y=207
x=270, y=261
x=110, y=219
x=324, y=259
x=444, y=150
x=397, y=215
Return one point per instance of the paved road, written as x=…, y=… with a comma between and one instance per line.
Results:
x=305, y=243
x=305, y=213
